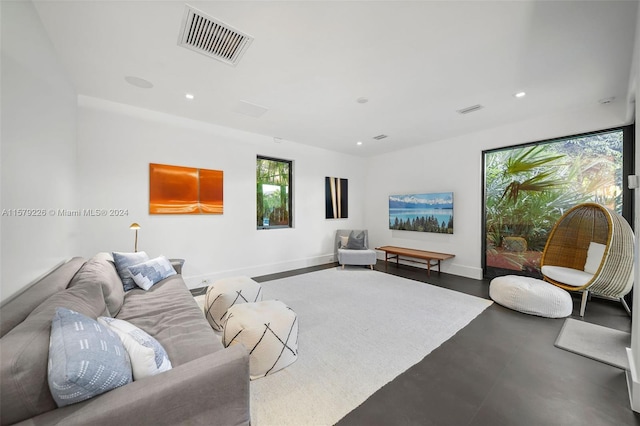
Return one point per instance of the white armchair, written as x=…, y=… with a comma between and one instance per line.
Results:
x=352, y=248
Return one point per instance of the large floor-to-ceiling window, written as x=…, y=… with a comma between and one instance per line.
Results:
x=528, y=187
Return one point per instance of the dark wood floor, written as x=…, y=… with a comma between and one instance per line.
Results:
x=501, y=369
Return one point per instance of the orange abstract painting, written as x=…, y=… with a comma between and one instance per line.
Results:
x=184, y=190
x=211, y=191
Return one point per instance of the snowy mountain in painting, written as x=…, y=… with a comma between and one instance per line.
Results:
x=413, y=201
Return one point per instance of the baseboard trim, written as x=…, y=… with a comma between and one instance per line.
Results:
x=632, y=383
x=447, y=267
x=197, y=281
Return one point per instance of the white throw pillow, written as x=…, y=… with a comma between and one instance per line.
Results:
x=148, y=357
x=344, y=240
x=594, y=257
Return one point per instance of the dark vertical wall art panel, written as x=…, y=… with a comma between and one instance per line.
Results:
x=336, y=198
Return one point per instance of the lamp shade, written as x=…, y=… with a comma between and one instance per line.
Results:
x=134, y=226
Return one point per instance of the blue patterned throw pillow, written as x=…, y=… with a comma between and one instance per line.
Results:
x=148, y=273
x=123, y=261
x=86, y=358
x=147, y=355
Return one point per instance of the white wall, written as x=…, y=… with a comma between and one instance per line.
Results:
x=456, y=165
x=117, y=143
x=37, y=151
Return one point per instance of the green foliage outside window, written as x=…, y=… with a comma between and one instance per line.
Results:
x=528, y=188
x=273, y=198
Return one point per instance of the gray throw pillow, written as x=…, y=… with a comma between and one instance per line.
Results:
x=86, y=358
x=356, y=242
x=123, y=261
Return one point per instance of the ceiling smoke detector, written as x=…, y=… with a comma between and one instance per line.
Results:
x=212, y=37
x=472, y=108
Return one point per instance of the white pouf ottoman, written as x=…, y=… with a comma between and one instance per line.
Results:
x=224, y=293
x=531, y=296
x=269, y=330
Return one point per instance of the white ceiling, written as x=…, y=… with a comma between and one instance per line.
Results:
x=417, y=62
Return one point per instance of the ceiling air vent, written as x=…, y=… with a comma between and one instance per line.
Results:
x=212, y=37
x=380, y=137
x=467, y=110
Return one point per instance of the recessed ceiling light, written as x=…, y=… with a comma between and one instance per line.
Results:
x=362, y=100
x=520, y=95
x=189, y=96
x=359, y=143
x=138, y=82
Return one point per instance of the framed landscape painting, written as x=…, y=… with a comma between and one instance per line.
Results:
x=185, y=190
x=422, y=212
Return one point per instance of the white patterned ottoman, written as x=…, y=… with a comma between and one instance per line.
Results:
x=531, y=296
x=269, y=330
x=226, y=292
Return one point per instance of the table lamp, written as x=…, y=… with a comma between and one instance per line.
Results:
x=136, y=227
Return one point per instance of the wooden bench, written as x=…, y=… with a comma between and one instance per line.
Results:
x=392, y=252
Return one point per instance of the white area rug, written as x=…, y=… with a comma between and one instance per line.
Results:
x=359, y=329
x=596, y=342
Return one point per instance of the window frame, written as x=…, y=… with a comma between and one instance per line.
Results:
x=628, y=168
x=289, y=197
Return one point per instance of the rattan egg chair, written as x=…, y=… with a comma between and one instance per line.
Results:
x=590, y=249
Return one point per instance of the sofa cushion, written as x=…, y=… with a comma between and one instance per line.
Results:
x=169, y=313
x=123, y=261
x=148, y=357
x=357, y=257
x=17, y=308
x=568, y=276
x=86, y=358
x=356, y=241
x=100, y=270
x=152, y=271
x=24, y=353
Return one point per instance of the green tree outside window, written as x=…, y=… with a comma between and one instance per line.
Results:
x=528, y=188
x=273, y=197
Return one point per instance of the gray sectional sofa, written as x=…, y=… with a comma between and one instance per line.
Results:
x=208, y=384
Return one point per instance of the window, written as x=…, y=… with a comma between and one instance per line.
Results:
x=528, y=187
x=273, y=193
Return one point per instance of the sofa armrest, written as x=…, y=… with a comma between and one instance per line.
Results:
x=212, y=390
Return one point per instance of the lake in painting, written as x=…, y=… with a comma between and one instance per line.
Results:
x=422, y=212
